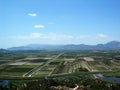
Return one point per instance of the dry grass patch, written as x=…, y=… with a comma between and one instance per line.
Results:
x=88, y=59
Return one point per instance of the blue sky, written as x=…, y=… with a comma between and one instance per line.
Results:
x=24, y=22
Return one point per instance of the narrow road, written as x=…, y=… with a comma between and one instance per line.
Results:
x=29, y=74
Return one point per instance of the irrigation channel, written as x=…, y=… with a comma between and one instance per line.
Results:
x=109, y=79
x=99, y=76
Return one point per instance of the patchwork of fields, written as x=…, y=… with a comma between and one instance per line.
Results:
x=50, y=63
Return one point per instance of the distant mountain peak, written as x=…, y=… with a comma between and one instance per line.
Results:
x=110, y=45
x=113, y=42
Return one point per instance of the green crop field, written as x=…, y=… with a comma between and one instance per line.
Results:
x=50, y=63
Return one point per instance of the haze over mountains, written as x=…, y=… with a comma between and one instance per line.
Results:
x=109, y=45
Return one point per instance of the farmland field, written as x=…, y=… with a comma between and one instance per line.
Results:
x=50, y=63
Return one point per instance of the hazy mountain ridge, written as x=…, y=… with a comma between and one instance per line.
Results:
x=109, y=45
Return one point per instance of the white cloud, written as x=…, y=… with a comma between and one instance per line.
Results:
x=39, y=26
x=55, y=36
x=32, y=14
x=52, y=36
x=101, y=36
x=82, y=36
x=58, y=36
x=62, y=38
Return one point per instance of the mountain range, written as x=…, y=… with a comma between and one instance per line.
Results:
x=107, y=46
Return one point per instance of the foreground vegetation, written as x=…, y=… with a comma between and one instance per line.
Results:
x=60, y=84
